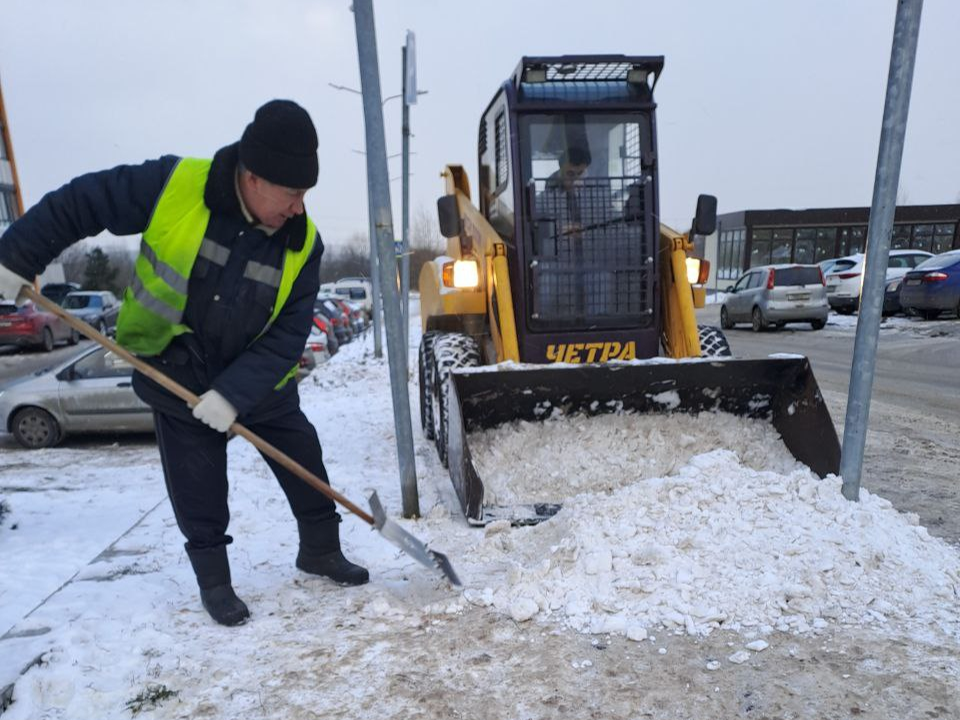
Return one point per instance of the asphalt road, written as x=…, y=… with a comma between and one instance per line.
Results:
x=918, y=362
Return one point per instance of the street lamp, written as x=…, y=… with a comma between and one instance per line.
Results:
x=374, y=261
x=357, y=92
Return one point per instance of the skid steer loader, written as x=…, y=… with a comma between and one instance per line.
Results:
x=554, y=291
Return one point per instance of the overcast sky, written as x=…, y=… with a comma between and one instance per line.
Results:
x=764, y=104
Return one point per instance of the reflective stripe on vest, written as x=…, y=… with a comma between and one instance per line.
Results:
x=152, y=311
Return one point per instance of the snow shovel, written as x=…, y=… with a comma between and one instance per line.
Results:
x=379, y=520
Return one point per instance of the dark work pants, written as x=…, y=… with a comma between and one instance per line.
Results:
x=194, y=459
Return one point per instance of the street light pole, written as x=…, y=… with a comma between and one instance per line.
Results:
x=405, y=213
x=410, y=94
x=379, y=194
x=892, y=131
x=377, y=309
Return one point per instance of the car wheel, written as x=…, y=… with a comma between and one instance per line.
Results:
x=757, y=321
x=74, y=337
x=818, y=324
x=725, y=321
x=35, y=428
x=845, y=311
x=46, y=341
x=928, y=314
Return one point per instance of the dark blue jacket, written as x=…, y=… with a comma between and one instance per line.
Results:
x=225, y=310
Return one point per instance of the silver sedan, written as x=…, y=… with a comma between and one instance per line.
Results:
x=91, y=392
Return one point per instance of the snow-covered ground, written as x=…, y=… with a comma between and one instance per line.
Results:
x=696, y=570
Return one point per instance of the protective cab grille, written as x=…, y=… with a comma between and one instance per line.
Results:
x=591, y=260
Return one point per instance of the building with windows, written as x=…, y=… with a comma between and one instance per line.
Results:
x=749, y=238
x=11, y=201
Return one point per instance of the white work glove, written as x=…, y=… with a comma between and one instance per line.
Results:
x=11, y=285
x=215, y=411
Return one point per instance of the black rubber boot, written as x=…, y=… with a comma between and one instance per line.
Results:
x=320, y=553
x=216, y=592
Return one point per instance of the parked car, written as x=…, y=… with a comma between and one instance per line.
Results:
x=363, y=321
x=891, y=297
x=353, y=315
x=933, y=286
x=775, y=295
x=98, y=308
x=323, y=322
x=91, y=392
x=317, y=344
x=340, y=321
x=29, y=326
x=844, y=279
x=58, y=291
x=308, y=361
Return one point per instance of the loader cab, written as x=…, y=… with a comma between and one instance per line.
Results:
x=568, y=178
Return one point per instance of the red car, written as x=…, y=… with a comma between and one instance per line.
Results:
x=27, y=325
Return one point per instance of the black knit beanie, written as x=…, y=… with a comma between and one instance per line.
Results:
x=280, y=145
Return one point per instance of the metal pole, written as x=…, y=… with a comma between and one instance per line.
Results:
x=899, y=81
x=379, y=194
x=376, y=309
x=405, y=244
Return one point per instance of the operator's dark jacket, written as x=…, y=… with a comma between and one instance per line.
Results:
x=225, y=310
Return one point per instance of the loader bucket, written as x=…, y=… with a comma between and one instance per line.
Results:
x=780, y=390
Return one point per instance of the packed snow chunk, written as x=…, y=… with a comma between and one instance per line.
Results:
x=523, y=608
x=739, y=657
x=669, y=399
x=550, y=461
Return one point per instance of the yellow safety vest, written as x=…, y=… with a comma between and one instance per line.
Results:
x=152, y=311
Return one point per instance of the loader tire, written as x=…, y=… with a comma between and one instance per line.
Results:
x=713, y=343
x=425, y=366
x=450, y=351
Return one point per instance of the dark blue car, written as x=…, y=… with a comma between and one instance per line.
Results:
x=933, y=286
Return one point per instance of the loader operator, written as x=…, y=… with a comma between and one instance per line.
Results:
x=222, y=302
x=561, y=197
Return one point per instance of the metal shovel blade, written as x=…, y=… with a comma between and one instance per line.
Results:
x=409, y=544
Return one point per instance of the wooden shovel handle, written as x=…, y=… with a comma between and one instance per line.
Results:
x=181, y=392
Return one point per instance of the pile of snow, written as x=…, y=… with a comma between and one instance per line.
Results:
x=740, y=537
x=527, y=462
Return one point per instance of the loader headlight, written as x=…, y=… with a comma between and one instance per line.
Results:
x=461, y=274
x=697, y=271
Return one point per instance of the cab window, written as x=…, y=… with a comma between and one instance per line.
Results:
x=744, y=282
x=102, y=364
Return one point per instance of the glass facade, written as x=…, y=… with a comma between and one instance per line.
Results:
x=773, y=245
x=730, y=253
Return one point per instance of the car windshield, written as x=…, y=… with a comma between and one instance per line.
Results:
x=939, y=262
x=800, y=275
x=78, y=302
